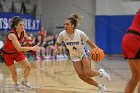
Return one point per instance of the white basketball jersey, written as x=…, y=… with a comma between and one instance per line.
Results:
x=76, y=45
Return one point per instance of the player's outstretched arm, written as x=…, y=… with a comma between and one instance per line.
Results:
x=17, y=45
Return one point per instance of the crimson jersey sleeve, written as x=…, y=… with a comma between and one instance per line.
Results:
x=136, y=22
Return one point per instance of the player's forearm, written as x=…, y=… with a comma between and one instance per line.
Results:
x=25, y=48
x=91, y=44
x=26, y=36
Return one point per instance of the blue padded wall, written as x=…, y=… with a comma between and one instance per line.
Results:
x=109, y=32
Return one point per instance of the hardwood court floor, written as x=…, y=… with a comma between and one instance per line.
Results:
x=60, y=77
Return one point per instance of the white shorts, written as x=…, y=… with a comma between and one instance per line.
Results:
x=80, y=56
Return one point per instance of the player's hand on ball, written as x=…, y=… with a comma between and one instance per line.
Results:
x=97, y=54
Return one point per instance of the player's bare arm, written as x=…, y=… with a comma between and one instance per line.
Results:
x=91, y=44
x=26, y=36
x=17, y=45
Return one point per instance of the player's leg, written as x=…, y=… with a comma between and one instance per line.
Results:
x=12, y=69
x=87, y=68
x=88, y=72
x=24, y=62
x=91, y=73
x=8, y=59
x=27, y=68
x=132, y=83
x=9, y=62
x=139, y=87
x=79, y=69
x=137, y=65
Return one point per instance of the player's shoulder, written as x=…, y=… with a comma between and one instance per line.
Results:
x=62, y=32
x=79, y=31
x=11, y=34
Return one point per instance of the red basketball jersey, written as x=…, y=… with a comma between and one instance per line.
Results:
x=8, y=45
x=136, y=22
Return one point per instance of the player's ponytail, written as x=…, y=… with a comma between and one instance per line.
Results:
x=75, y=18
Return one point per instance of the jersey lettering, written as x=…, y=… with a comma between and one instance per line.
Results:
x=72, y=43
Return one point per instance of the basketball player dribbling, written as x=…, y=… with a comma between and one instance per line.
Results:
x=74, y=40
x=12, y=51
x=131, y=51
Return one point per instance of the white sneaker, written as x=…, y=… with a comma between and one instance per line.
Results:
x=102, y=88
x=17, y=88
x=26, y=83
x=104, y=74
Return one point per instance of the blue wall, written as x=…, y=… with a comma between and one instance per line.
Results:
x=109, y=32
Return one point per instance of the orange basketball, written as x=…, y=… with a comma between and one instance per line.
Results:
x=97, y=54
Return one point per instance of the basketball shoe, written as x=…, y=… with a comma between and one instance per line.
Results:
x=103, y=73
x=16, y=86
x=26, y=83
x=102, y=88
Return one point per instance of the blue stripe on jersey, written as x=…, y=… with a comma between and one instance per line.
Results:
x=86, y=50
